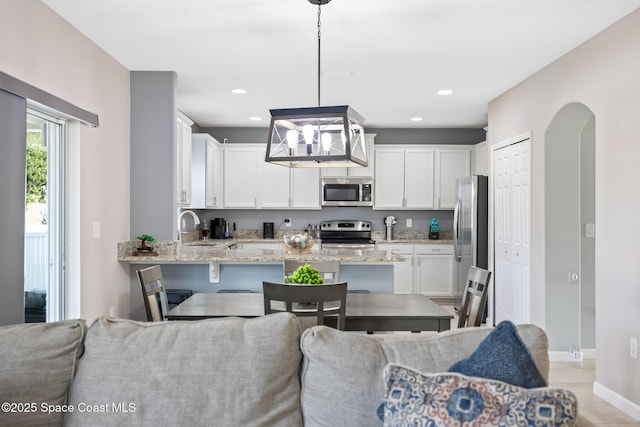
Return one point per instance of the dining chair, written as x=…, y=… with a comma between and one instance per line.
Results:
x=474, y=297
x=154, y=294
x=328, y=270
x=308, y=300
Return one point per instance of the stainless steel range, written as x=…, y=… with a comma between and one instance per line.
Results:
x=346, y=234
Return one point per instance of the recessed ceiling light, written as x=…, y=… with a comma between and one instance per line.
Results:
x=238, y=91
x=445, y=92
x=416, y=119
x=255, y=118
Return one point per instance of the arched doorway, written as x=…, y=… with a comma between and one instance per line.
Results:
x=570, y=230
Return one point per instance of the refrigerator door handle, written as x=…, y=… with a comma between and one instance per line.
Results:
x=456, y=229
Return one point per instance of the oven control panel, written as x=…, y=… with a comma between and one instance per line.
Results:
x=345, y=225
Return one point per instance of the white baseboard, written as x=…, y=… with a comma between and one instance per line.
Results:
x=620, y=402
x=567, y=356
x=561, y=356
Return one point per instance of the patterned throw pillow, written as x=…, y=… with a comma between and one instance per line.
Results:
x=451, y=400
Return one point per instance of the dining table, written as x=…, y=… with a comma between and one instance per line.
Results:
x=369, y=312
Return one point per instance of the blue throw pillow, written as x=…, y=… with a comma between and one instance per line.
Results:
x=502, y=356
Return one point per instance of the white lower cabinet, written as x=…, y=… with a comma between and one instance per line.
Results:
x=403, y=270
x=434, y=270
x=428, y=269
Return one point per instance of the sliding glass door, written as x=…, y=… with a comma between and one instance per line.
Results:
x=44, y=255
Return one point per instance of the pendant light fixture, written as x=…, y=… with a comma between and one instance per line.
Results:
x=316, y=136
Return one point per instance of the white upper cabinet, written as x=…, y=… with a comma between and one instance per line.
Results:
x=418, y=177
x=367, y=171
x=251, y=183
x=403, y=178
x=274, y=185
x=206, y=172
x=283, y=188
x=305, y=188
x=183, y=160
x=418, y=181
x=450, y=164
x=389, y=178
x=240, y=176
x=480, y=159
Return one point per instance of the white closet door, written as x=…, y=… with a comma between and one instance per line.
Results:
x=502, y=234
x=521, y=231
x=512, y=232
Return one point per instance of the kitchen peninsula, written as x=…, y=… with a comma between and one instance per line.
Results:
x=234, y=264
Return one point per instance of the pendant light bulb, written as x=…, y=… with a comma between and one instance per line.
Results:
x=292, y=138
x=326, y=141
x=307, y=131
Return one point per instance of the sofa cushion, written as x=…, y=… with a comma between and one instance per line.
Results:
x=504, y=357
x=38, y=363
x=227, y=372
x=344, y=371
x=446, y=399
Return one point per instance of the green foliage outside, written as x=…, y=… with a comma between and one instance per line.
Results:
x=36, y=169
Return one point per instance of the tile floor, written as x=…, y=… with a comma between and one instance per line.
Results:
x=578, y=377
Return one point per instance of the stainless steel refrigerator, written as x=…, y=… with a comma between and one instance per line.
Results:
x=471, y=227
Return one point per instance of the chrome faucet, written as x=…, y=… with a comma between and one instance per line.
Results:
x=196, y=221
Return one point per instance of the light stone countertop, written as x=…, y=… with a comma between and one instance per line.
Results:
x=224, y=250
x=174, y=252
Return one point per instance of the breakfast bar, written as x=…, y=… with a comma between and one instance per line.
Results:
x=233, y=265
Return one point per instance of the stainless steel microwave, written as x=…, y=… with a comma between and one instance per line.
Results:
x=348, y=191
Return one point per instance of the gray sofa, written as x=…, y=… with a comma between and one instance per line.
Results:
x=224, y=372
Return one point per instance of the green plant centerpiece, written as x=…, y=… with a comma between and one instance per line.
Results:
x=144, y=238
x=305, y=274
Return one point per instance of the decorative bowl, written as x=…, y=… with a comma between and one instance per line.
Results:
x=298, y=243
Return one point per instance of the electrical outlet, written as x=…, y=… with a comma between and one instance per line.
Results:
x=590, y=230
x=112, y=312
x=409, y=223
x=287, y=222
x=633, y=347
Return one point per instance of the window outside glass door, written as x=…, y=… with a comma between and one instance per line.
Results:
x=43, y=269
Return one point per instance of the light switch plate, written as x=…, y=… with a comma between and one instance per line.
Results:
x=590, y=230
x=96, y=229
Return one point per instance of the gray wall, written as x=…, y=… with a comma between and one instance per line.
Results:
x=588, y=244
x=585, y=75
x=383, y=136
x=153, y=136
x=13, y=155
x=253, y=219
x=569, y=201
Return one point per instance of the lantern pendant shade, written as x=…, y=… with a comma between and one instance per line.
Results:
x=316, y=137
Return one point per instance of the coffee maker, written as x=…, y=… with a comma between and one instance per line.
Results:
x=219, y=228
x=267, y=230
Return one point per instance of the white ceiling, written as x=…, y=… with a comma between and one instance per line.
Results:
x=386, y=58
